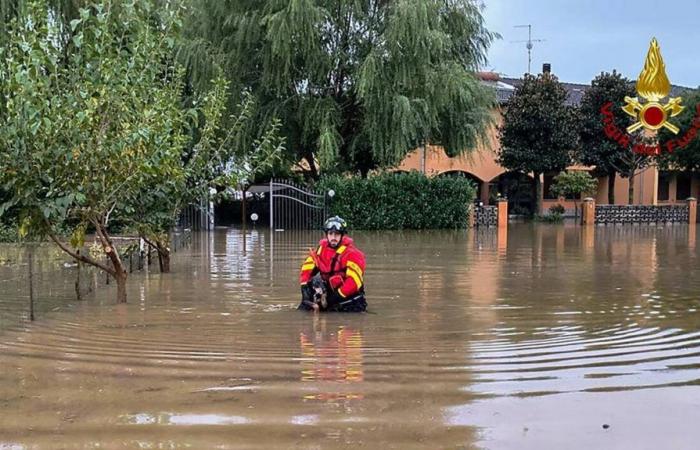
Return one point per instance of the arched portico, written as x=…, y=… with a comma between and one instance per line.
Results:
x=478, y=182
x=517, y=187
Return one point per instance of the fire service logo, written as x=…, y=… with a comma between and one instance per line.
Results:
x=652, y=114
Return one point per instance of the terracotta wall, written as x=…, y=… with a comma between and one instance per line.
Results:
x=482, y=164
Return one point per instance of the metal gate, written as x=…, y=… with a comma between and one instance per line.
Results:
x=295, y=207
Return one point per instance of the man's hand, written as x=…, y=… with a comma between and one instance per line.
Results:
x=335, y=281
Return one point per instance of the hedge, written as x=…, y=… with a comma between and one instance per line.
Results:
x=391, y=201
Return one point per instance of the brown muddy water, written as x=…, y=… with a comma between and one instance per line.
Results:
x=549, y=337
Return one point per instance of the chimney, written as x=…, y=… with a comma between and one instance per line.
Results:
x=546, y=68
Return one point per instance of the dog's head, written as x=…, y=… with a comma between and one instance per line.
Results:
x=320, y=293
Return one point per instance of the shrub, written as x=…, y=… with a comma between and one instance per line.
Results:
x=8, y=232
x=391, y=201
x=557, y=209
x=549, y=218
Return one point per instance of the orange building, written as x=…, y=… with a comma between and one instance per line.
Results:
x=651, y=185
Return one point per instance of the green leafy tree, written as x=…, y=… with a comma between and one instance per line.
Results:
x=90, y=122
x=596, y=148
x=687, y=157
x=539, y=131
x=574, y=184
x=357, y=84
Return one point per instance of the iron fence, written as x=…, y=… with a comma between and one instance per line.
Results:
x=624, y=214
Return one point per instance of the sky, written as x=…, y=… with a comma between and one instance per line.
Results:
x=585, y=37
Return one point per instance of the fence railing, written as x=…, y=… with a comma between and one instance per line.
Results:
x=628, y=214
x=486, y=216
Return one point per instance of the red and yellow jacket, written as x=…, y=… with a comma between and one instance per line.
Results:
x=346, y=260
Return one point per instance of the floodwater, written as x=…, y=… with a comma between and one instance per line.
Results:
x=555, y=337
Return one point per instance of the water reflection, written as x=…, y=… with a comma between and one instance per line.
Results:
x=529, y=338
x=181, y=419
x=331, y=359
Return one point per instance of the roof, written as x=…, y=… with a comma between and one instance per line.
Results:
x=505, y=88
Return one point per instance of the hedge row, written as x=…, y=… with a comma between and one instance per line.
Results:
x=393, y=201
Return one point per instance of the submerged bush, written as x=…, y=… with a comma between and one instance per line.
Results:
x=557, y=209
x=391, y=201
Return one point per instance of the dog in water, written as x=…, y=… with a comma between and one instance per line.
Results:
x=320, y=293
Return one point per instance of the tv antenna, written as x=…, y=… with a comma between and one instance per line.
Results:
x=528, y=43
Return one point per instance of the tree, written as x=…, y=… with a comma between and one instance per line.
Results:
x=218, y=159
x=596, y=148
x=539, y=130
x=687, y=157
x=357, y=84
x=574, y=184
x=90, y=121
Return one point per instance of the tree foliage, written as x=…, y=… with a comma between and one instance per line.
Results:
x=357, y=84
x=688, y=157
x=596, y=148
x=91, y=121
x=539, y=131
x=574, y=183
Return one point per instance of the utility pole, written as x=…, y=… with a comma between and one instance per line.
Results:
x=528, y=44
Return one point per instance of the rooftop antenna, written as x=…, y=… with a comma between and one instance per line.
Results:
x=528, y=44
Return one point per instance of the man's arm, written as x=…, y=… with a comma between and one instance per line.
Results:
x=354, y=275
x=308, y=269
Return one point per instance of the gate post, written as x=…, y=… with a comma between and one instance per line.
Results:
x=271, y=206
x=502, y=212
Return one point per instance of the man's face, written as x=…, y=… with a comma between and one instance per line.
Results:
x=334, y=238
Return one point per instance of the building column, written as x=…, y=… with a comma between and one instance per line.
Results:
x=485, y=187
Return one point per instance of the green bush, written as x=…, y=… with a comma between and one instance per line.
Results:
x=549, y=218
x=557, y=209
x=391, y=201
x=8, y=232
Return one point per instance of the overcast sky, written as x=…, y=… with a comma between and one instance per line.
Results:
x=584, y=37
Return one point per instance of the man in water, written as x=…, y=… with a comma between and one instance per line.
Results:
x=341, y=267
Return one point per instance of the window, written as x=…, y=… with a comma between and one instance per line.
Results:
x=682, y=186
x=662, y=190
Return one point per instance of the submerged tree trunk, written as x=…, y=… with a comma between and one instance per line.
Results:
x=119, y=271
x=163, y=257
x=115, y=269
x=121, y=286
x=611, y=188
x=538, y=193
x=630, y=192
x=162, y=246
